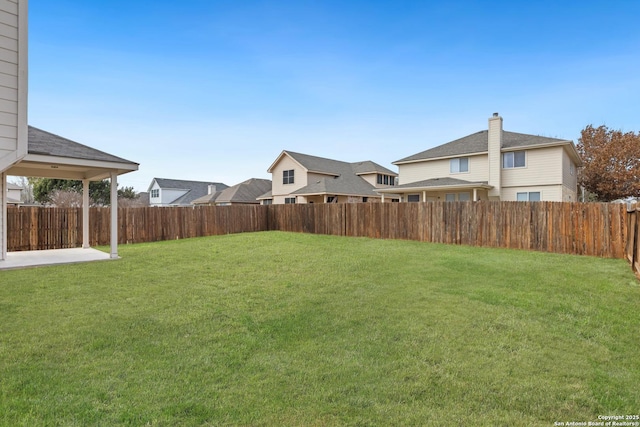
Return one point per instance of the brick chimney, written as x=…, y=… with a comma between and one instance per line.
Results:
x=495, y=158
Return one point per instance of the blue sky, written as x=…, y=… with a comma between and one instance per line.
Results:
x=215, y=90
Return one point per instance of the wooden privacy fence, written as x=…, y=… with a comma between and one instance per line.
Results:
x=596, y=229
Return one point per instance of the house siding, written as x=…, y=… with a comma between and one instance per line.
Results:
x=413, y=172
x=279, y=190
x=13, y=81
x=166, y=196
x=543, y=167
x=548, y=193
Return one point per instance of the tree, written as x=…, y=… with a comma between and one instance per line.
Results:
x=611, y=162
x=66, y=199
x=99, y=191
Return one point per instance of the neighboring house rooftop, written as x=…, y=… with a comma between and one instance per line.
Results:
x=326, y=166
x=194, y=189
x=478, y=143
x=441, y=182
x=245, y=192
x=342, y=184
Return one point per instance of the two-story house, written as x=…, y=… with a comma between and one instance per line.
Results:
x=301, y=178
x=491, y=164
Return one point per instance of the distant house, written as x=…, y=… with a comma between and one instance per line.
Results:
x=245, y=193
x=301, y=178
x=14, y=194
x=175, y=192
x=491, y=164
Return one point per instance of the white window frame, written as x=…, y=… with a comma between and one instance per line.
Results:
x=413, y=196
x=525, y=196
x=290, y=200
x=509, y=160
x=459, y=165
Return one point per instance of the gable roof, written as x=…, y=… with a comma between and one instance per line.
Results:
x=478, y=143
x=245, y=192
x=49, y=144
x=194, y=189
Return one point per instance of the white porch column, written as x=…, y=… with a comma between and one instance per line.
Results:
x=3, y=216
x=424, y=196
x=114, y=215
x=475, y=194
x=382, y=197
x=85, y=213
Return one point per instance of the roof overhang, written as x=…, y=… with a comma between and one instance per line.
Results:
x=411, y=189
x=43, y=166
x=431, y=159
x=330, y=193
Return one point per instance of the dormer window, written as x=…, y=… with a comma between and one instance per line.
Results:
x=287, y=176
x=459, y=165
x=386, y=179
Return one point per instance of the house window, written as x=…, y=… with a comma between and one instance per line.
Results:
x=332, y=199
x=413, y=198
x=267, y=201
x=155, y=193
x=464, y=197
x=450, y=197
x=287, y=176
x=514, y=159
x=386, y=179
x=531, y=196
x=459, y=165
x=289, y=200
x=365, y=199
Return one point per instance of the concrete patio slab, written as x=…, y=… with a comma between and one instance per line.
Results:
x=28, y=259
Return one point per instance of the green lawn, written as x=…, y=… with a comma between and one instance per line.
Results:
x=290, y=329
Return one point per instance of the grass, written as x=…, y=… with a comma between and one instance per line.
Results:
x=275, y=328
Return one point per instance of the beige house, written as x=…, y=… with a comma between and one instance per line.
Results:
x=491, y=164
x=301, y=178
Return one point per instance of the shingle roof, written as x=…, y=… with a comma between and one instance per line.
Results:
x=344, y=184
x=337, y=167
x=245, y=192
x=478, y=143
x=49, y=144
x=195, y=189
x=441, y=182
